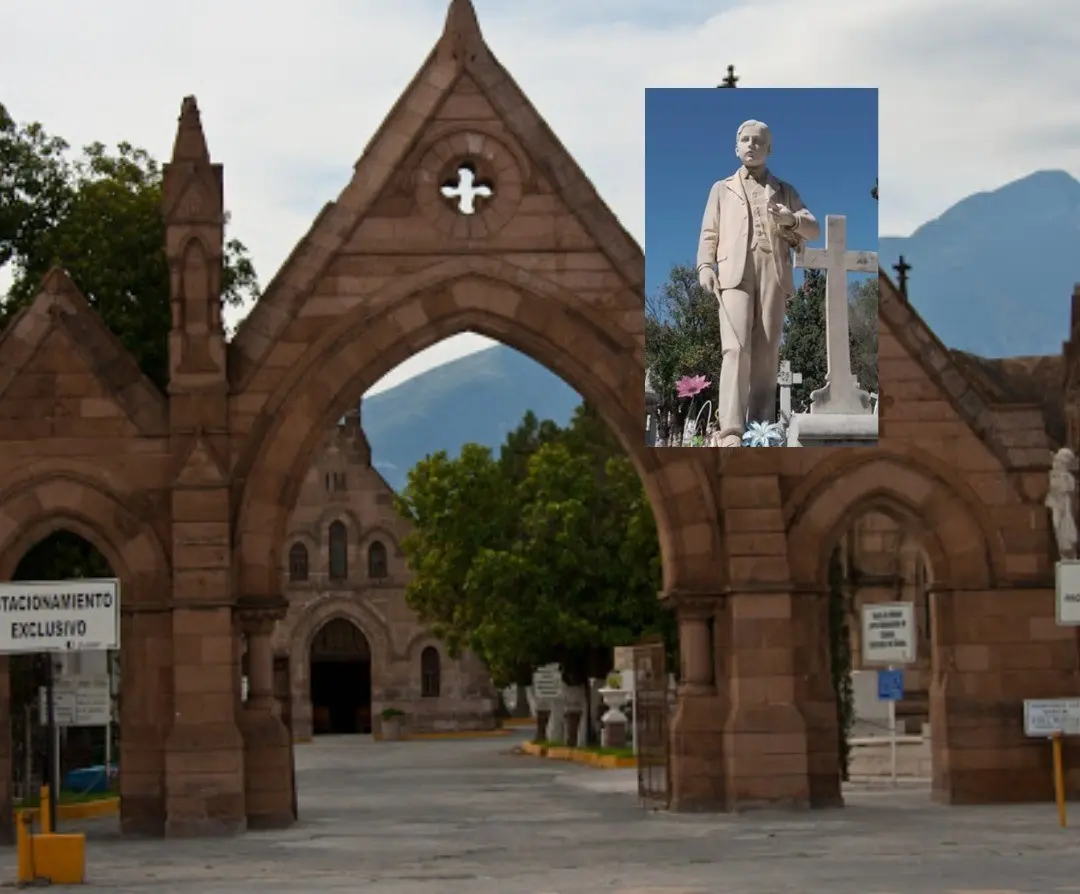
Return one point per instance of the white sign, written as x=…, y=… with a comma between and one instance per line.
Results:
x=59, y=616
x=1068, y=593
x=888, y=633
x=1046, y=717
x=78, y=701
x=547, y=683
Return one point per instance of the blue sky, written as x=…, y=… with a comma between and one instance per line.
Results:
x=825, y=143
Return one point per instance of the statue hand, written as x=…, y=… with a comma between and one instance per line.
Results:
x=784, y=216
x=708, y=280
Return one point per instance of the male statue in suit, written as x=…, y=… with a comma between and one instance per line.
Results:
x=752, y=222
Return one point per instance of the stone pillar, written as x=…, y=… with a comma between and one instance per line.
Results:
x=983, y=670
x=765, y=735
x=268, y=768
x=7, y=825
x=697, y=765
x=204, y=758
x=145, y=717
x=816, y=696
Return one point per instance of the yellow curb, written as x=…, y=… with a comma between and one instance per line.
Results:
x=534, y=749
x=463, y=734
x=83, y=810
x=560, y=753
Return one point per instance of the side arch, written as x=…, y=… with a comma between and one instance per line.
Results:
x=321, y=612
x=55, y=501
x=606, y=368
x=964, y=550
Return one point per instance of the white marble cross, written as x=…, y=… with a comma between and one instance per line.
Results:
x=841, y=392
x=467, y=191
x=785, y=379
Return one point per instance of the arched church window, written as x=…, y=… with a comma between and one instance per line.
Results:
x=376, y=561
x=298, y=562
x=430, y=673
x=339, y=545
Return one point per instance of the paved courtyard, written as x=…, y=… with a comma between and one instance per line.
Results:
x=443, y=817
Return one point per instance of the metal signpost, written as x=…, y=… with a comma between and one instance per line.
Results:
x=888, y=638
x=1053, y=719
x=50, y=617
x=890, y=688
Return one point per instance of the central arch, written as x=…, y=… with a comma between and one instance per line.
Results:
x=340, y=663
x=495, y=299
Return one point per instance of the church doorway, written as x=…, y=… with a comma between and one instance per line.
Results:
x=340, y=679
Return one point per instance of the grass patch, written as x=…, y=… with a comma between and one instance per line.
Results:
x=607, y=752
x=72, y=798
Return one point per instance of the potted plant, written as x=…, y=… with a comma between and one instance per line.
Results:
x=391, y=724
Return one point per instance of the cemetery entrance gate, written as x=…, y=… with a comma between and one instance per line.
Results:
x=651, y=712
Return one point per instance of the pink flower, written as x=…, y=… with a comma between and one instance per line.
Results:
x=689, y=386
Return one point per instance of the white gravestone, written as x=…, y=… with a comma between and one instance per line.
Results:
x=841, y=392
x=785, y=379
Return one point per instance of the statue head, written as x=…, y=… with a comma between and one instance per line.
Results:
x=1065, y=461
x=753, y=143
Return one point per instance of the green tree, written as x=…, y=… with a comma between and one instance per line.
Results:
x=548, y=555
x=97, y=215
x=804, y=344
x=804, y=338
x=682, y=338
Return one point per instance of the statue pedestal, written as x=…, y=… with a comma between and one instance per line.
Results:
x=833, y=430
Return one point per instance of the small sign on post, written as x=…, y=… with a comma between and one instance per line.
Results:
x=888, y=633
x=1067, y=580
x=1053, y=719
x=890, y=685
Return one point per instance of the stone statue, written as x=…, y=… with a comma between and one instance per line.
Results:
x=752, y=223
x=1060, y=501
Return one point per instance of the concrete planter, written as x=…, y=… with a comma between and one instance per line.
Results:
x=391, y=729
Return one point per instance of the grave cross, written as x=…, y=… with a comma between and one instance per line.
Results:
x=785, y=379
x=467, y=190
x=902, y=271
x=841, y=392
x=730, y=80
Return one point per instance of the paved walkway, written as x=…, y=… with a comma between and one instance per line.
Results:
x=446, y=817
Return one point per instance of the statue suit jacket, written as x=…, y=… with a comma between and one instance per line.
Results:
x=725, y=230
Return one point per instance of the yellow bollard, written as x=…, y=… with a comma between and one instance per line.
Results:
x=46, y=814
x=1059, y=780
x=24, y=846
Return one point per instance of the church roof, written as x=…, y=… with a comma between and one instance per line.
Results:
x=1038, y=381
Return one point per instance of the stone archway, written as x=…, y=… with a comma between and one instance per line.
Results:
x=56, y=499
x=319, y=616
x=972, y=673
x=481, y=295
x=340, y=675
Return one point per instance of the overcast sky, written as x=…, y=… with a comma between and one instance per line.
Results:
x=974, y=93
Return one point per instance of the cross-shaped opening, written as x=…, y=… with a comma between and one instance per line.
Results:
x=466, y=188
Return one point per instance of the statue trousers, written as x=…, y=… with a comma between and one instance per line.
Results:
x=751, y=324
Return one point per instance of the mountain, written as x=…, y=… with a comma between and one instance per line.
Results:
x=993, y=274
x=478, y=398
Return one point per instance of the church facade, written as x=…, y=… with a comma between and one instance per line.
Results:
x=348, y=645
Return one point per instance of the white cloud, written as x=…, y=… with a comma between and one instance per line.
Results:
x=972, y=94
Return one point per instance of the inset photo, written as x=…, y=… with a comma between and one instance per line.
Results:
x=761, y=261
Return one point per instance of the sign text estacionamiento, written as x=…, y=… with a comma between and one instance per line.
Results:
x=57, y=602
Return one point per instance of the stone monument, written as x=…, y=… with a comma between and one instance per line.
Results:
x=752, y=223
x=841, y=414
x=1060, y=500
